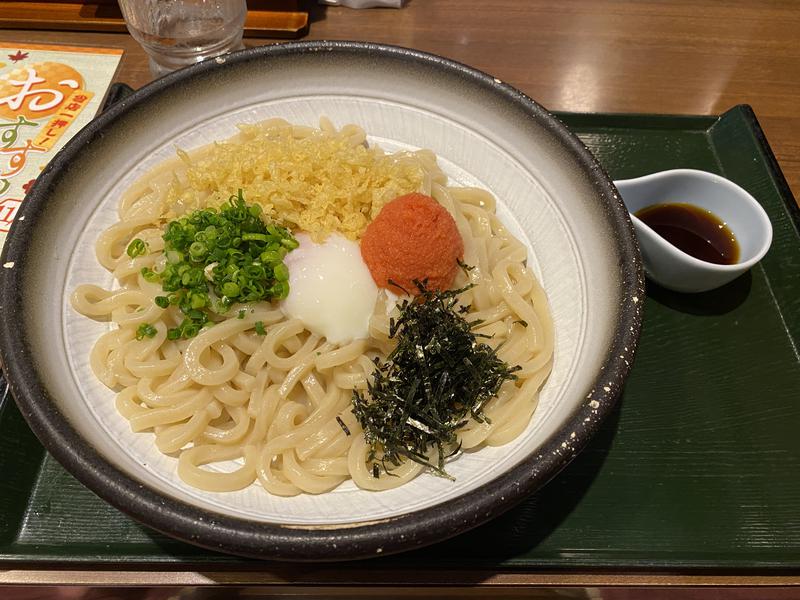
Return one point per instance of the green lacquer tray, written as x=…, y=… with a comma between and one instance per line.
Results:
x=697, y=469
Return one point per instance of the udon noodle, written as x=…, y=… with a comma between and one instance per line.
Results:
x=236, y=407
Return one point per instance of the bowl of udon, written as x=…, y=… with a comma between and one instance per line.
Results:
x=319, y=301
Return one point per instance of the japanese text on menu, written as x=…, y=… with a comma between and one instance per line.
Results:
x=42, y=95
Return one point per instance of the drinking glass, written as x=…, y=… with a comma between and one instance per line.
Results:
x=178, y=33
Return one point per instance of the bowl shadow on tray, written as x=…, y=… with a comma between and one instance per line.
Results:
x=714, y=302
x=531, y=522
x=511, y=534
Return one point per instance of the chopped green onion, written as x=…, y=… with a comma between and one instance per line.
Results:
x=149, y=275
x=145, y=330
x=137, y=248
x=281, y=272
x=280, y=290
x=198, y=249
x=198, y=300
x=230, y=289
x=216, y=257
x=250, y=237
x=259, y=327
x=270, y=257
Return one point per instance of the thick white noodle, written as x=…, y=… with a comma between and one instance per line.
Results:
x=235, y=407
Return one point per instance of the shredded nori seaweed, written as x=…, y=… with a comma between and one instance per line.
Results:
x=438, y=377
x=342, y=424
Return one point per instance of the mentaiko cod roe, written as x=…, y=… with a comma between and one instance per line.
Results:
x=413, y=238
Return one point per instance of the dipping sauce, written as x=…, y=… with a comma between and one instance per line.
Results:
x=696, y=231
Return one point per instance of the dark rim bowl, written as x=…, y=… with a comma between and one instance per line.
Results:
x=31, y=262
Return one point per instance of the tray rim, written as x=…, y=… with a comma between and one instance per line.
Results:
x=175, y=565
x=441, y=580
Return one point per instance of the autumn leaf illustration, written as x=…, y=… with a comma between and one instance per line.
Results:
x=20, y=55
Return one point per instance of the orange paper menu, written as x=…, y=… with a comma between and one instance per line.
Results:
x=47, y=94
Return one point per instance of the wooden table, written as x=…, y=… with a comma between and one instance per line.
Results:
x=678, y=57
x=675, y=57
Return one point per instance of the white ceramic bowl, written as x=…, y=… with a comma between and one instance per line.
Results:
x=552, y=194
x=670, y=266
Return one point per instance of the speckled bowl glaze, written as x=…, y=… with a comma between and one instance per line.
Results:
x=552, y=194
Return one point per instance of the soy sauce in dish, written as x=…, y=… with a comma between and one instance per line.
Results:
x=696, y=231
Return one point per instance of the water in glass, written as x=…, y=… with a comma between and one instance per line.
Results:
x=178, y=33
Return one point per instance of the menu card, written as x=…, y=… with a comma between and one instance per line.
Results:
x=47, y=94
